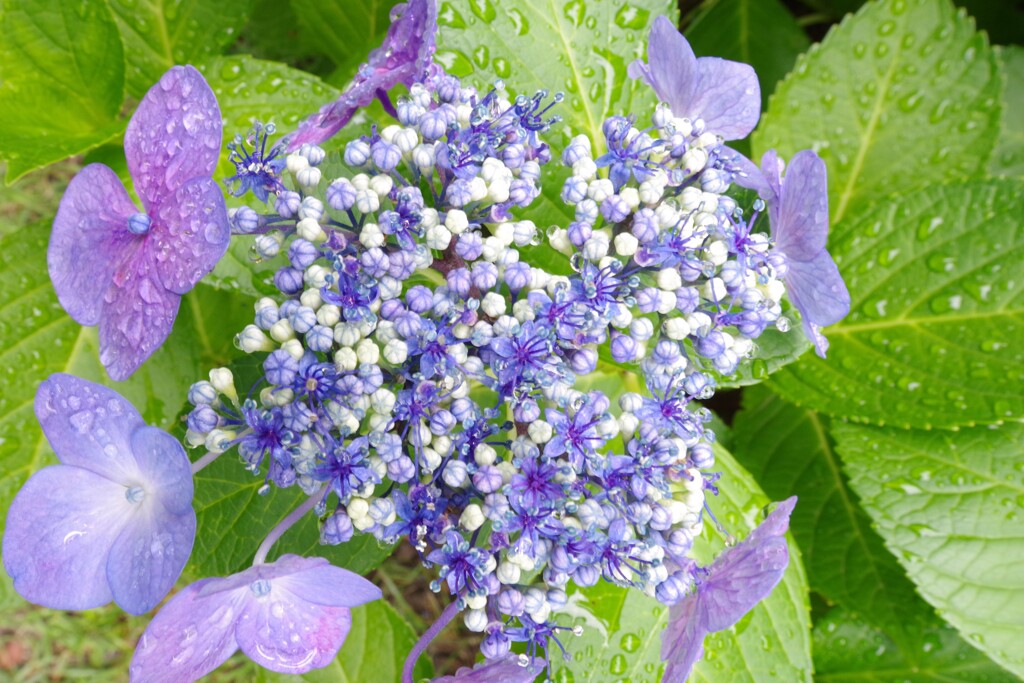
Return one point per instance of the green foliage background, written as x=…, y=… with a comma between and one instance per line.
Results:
x=904, y=446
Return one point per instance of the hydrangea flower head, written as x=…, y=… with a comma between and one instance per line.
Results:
x=114, y=520
x=737, y=580
x=723, y=93
x=124, y=269
x=404, y=57
x=798, y=211
x=289, y=616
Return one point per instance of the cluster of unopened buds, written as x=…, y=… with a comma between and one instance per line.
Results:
x=424, y=366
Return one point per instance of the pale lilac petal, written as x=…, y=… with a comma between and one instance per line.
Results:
x=284, y=633
x=735, y=582
x=511, y=668
x=672, y=67
x=59, y=531
x=167, y=472
x=343, y=588
x=771, y=167
x=148, y=556
x=747, y=572
x=173, y=137
x=801, y=227
x=749, y=176
x=404, y=57
x=682, y=641
x=727, y=96
x=817, y=290
x=188, y=638
x=90, y=240
x=137, y=318
x=88, y=425
x=192, y=235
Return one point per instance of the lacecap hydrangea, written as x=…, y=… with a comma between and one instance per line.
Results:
x=425, y=370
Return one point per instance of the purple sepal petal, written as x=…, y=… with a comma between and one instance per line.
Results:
x=59, y=531
x=194, y=236
x=736, y=581
x=166, y=467
x=511, y=668
x=725, y=94
x=88, y=425
x=818, y=291
x=282, y=615
x=750, y=176
x=682, y=641
x=137, y=318
x=728, y=97
x=404, y=57
x=90, y=241
x=800, y=227
x=148, y=556
x=173, y=136
x=188, y=638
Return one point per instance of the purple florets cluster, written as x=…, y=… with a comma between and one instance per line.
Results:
x=422, y=366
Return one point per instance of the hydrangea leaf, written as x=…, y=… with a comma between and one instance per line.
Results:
x=762, y=33
x=61, y=81
x=374, y=651
x=774, y=350
x=586, y=49
x=1008, y=157
x=250, y=89
x=622, y=627
x=847, y=648
x=934, y=335
x=789, y=452
x=902, y=95
x=948, y=505
x=157, y=35
x=344, y=31
x=38, y=338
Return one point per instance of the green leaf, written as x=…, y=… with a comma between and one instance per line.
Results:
x=789, y=452
x=948, y=504
x=344, y=31
x=900, y=96
x=774, y=351
x=1008, y=157
x=934, y=335
x=61, y=81
x=157, y=35
x=234, y=519
x=374, y=651
x=622, y=627
x=848, y=649
x=37, y=338
x=762, y=33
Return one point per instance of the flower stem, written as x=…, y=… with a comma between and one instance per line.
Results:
x=204, y=461
x=287, y=523
x=446, y=617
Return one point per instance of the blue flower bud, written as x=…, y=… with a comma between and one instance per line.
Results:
x=687, y=299
x=710, y=345
x=267, y=246
x=442, y=422
x=320, y=339
x=375, y=262
x=409, y=113
x=623, y=347
x=202, y=393
x=246, y=220
x=645, y=226
x=487, y=479
x=138, y=223
x=266, y=317
x=673, y=589
x=517, y=276
x=314, y=154
x=280, y=368
x=303, y=319
x=357, y=153
x=583, y=361
x=336, y=529
x=289, y=280
x=527, y=411
x=419, y=299
x=459, y=193
x=510, y=601
x=614, y=209
x=586, y=575
x=460, y=282
x=579, y=232
x=287, y=203
x=341, y=195
x=433, y=126
x=401, y=469
x=203, y=419
x=386, y=156
x=485, y=275
x=469, y=246
x=302, y=253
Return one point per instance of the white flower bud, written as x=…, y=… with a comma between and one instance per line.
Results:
x=367, y=201
x=328, y=315
x=676, y=329
x=475, y=620
x=438, y=238
x=381, y=185
x=540, y=431
x=296, y=163
x=396, y=351
x=493, y=304
x=308, y=177
x=294, y=348
x=368, y=352
x=669, y=279
x=345, y=359
x=596, y=247
x=371, y=236
x=509, y=573
x=309, y=229
x=626, y=244
x=456, y=221
x=252, y=339
x=224, y=382
x=472, y=518
x=717, y=252
x=423, y=156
